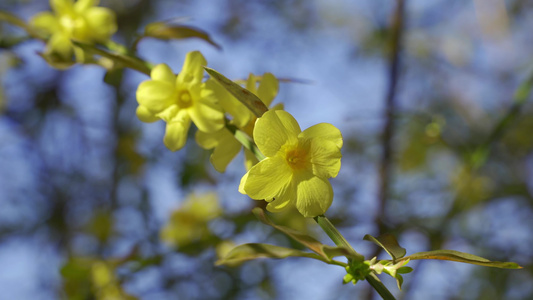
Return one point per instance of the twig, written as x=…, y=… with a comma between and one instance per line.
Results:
x=388, y=115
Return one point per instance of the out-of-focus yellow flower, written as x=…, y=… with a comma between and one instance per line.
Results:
x=225, y=145
x=297, y=166
x=105, y=283
x=179, y=99
x=81, y=20
x=188, y=224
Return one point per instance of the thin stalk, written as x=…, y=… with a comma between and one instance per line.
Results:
x=336, y=236
x=340, y=241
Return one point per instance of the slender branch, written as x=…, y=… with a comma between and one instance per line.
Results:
x=336, y=236
x=340, y=241
x=389, y=113
x=388, y=128
x=520, y=97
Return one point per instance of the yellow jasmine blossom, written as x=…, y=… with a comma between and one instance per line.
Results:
x=81, y=20
x=105, y=283
x=189, y=224
x=298, y=164
x=179, y=99
x=225, y=145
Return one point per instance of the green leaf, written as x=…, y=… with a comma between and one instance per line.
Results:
x=122, y=60
x=404, y=270
x=389, y=243
x=325, y=251
x=462, y=257
x=252, y=251
x=399, y=281
x=250, y=100
x=167, y=31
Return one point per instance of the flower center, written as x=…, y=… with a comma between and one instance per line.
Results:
x=184, y=99
x=296, y=158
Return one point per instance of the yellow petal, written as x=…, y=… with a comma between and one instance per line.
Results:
x=176, y=135
x=82, y=5
x=172, y=114
x=101, y=22
x=46, y=22
x=243, y=183
x=192, y=71
x=226, y=151
x=62, y=7
x=162, y=72
x=273, y=130
x=285, y=198
x=145, y=115
x=268, y=178
x=206, y=115
x=60, y=45
x=314, y=195
x=278, y=205
x=249, y=159
x=155, y=95
x=207, y=140
x=251, y=84
x=325, y=158
x=268, y=89
x=323, y=131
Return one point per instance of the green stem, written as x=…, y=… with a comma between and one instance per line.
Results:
x=340, y=241
x=245, y=140
x=336, y=236
x=382, y=290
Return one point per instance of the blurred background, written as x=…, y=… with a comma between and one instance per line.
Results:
x=432, y=99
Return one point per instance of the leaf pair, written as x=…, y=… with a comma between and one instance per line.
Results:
x=391, y=246
x=251, y=251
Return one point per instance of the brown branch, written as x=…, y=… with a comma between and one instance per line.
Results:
x=396, y=29
x=389, y=112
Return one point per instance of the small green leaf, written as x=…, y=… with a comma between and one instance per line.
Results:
x=167, y=31
x=404, y=270
x=462, y=257
x=252, y=251
x=131, y=62
x=325, y=251
x=399, y=281
x=389, y=243
x=247, y=98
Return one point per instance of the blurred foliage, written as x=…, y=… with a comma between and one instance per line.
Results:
x=91, y=186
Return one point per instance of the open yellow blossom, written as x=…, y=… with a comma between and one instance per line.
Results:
x=81, y=20
x=225, y=145
x=179, y=99
x=298, y=164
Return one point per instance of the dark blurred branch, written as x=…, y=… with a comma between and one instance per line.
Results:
x=397, y=26
x=481, y=154
x=390, y=111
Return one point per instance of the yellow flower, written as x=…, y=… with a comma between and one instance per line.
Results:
x=179, y=99
x=298, y=164
x=80, y=20
x=225, y=145
x=189, y=224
